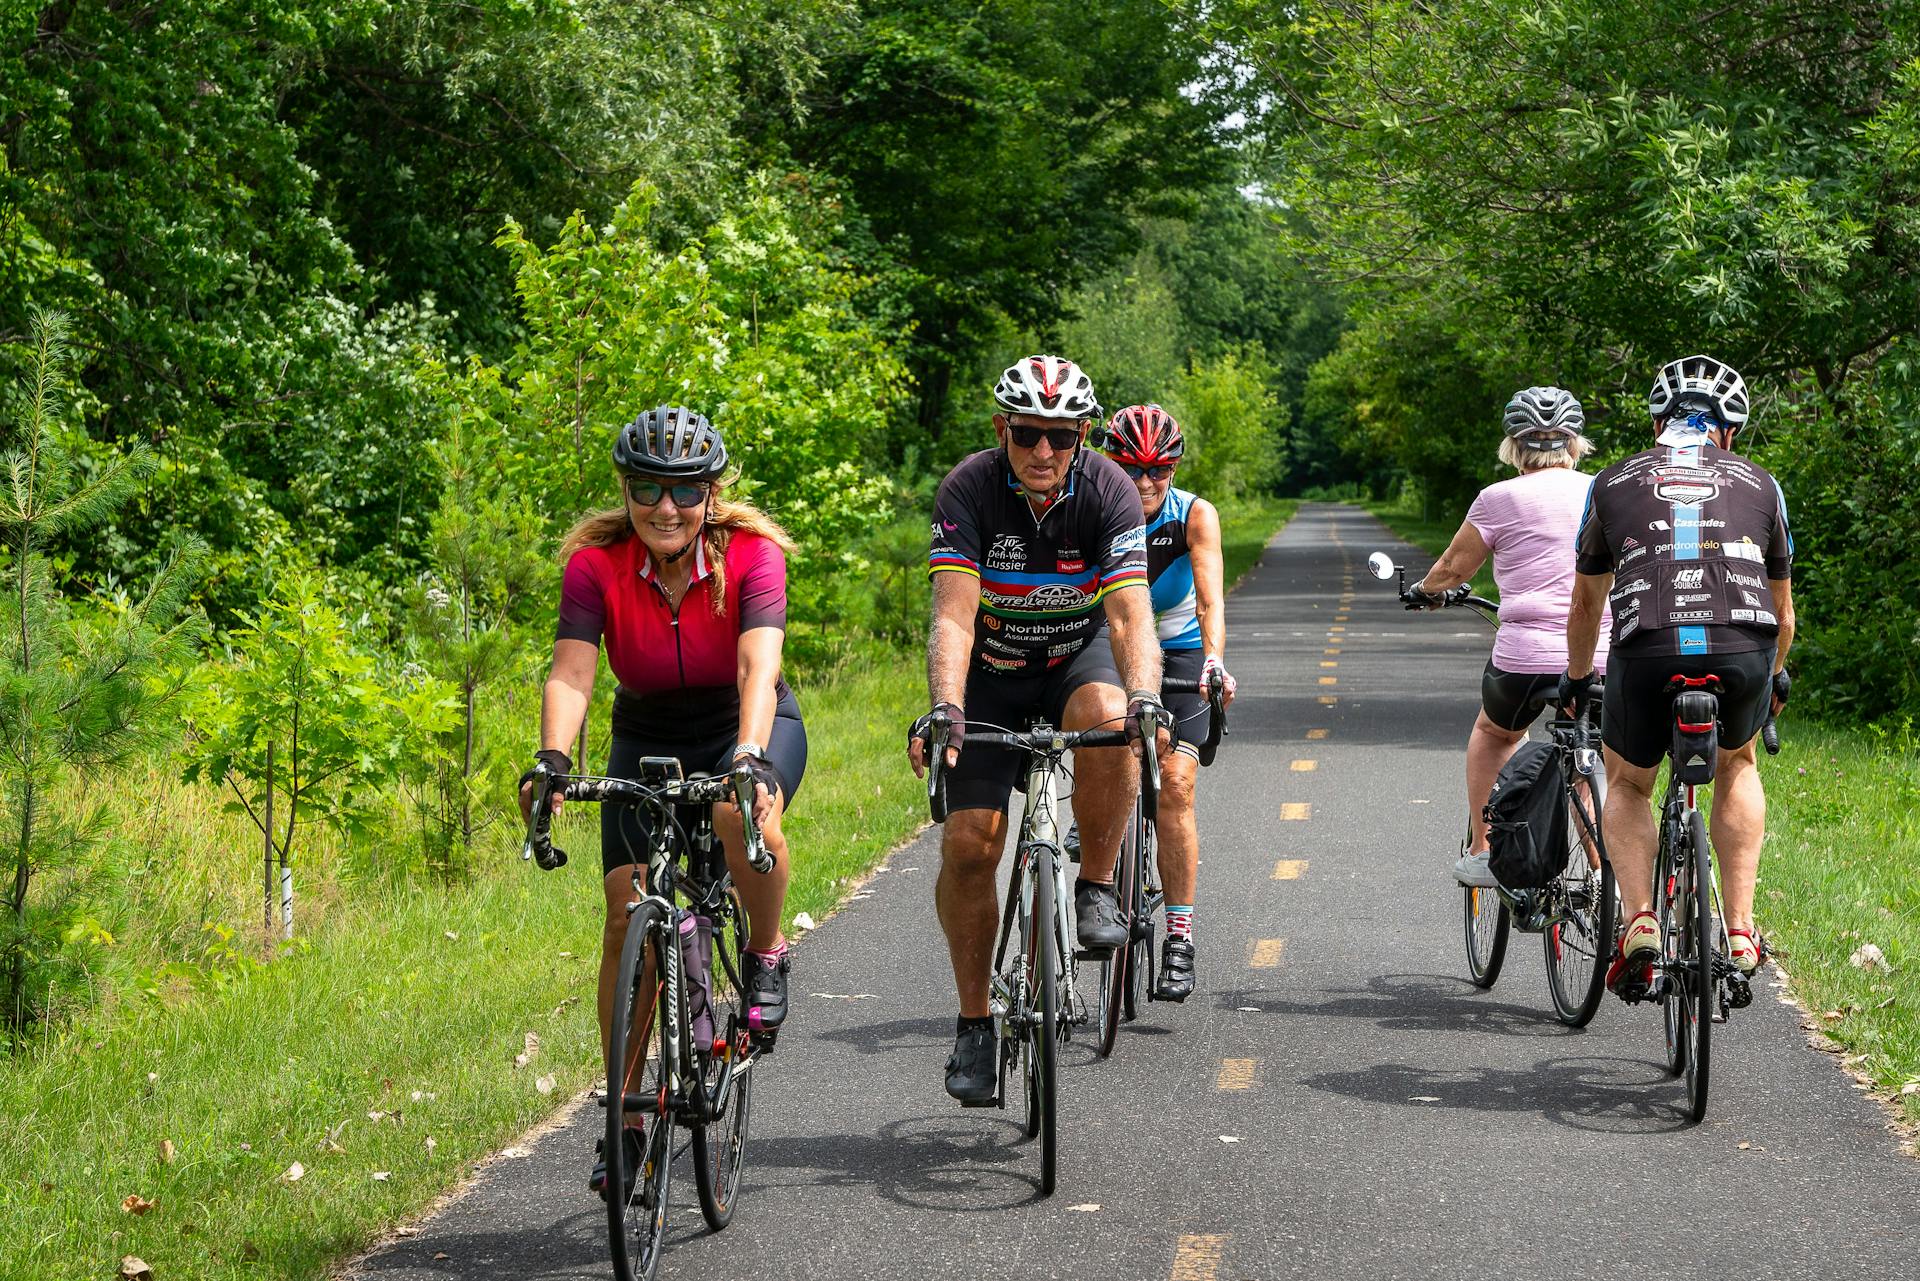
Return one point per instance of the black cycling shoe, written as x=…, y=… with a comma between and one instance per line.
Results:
x=767, y=991
x=1097, y=913
x=973, y=1069
x=636, y=1155
x=1070, y=845
x=1175, y=981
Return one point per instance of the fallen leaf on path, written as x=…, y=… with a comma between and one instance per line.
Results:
x=134, y=1203
x=134, y=1268
x=532, y=1047
x=378, y=1117
x=544, y=1084
x=1910, y=1089
x=451, y=936
x=1745, y=1146
x=802, y=921
x=1869, y=958
x=293, y=1173
x=440, y=1257
x=430, y=1145
x=381, y=1176
x=167, y=1151
x=1229, y=1138
x=514, y=1154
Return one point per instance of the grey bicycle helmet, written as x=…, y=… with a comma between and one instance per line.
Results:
x=1046, y=387
x=1704, y=380
x=671, y=442
x=1544, y=418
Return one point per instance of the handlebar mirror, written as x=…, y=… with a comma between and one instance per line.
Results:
x=1381, y=566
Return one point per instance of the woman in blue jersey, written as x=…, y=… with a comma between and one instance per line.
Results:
x=1189, y=605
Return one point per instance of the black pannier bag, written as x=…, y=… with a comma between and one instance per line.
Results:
x=1527, y=818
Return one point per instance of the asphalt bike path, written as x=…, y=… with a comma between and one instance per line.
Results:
x=1335, y=1100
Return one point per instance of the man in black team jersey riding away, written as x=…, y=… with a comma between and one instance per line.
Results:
x=1693, y=542
x=1040, y=608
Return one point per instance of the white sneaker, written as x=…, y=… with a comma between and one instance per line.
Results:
x=1475, y=872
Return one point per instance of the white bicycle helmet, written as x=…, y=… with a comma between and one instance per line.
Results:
x=1046, y=387
x=1544, y=418
x=1702, y=379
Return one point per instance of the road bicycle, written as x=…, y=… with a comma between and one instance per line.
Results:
x=1033, y=995
x=1127, y=973
x=1695, y=980
x=1577, y=912
x=699, y=1077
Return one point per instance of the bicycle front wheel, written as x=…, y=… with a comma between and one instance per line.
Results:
x=1579, y=939
x=1140, y=934
x=1115, y=968
x=637, y=1089
x=720, y=1146
x=1697, y=1013
x=1487, y=925
x=1042, y=1028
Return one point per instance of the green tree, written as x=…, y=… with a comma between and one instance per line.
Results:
x=79, y=685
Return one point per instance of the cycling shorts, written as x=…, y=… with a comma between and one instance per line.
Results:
x=1191, y=715
x=1513, y=700
x=985, y=777
x=1637, y=713
x=625, y=834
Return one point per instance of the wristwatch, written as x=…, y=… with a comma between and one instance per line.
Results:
x=750, y=749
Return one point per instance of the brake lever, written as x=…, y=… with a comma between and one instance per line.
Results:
x=758, y=856
x=539, y=844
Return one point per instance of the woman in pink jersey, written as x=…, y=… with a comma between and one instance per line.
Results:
x=1528, y=523
x=687, y=590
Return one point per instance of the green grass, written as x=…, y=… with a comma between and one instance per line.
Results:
x=1840, y=869
x=1246, y=524
x=401, y=985
x=1431, y=536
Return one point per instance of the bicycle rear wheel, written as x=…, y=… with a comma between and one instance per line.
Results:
x=1487, y=925
x=1669, y=883
x=637, y=1198
x=1578, y=942
x=1042, y=1028
x=1698, y=1010
x=720, y=1146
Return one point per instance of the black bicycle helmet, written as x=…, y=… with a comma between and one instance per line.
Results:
x=671, y=442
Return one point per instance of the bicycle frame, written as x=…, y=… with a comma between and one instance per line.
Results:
x=1678, y=808
x=1038, y=851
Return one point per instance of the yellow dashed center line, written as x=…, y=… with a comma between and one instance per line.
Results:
x=1329, y=680
x=1197, y=1257
x=1328, y=662
x=1336, y=629
x=1328, y=700
x=1292, y=810
x=1330, y=651
x=1289, y=869
x=1316, y=734
x=1305, y=767
x=1266, y=953
x=1235, y=1074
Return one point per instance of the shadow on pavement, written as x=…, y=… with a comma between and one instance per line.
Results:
x=573, y=1246
x=931, y=1035
x=1412, y=1003
x=957, y=1162
x=1608, y=1095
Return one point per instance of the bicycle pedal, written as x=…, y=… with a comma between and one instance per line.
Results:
x=1092, y=953
x=981, y=1103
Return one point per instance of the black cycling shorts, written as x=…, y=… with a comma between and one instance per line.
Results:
x=1637, y=712
x=985, y=777
x=1191, y=715
x=624, y=836
x=1514, y=700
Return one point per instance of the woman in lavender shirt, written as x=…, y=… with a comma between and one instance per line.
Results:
x=1528, y=524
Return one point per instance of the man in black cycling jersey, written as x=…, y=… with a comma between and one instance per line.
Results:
x=1691, y=544
x=1040, y=608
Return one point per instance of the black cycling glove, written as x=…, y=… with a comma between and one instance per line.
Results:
x=554, y=759
x=922, y=729
x=762, y=771
x=1140, y=702
x=1574, y=691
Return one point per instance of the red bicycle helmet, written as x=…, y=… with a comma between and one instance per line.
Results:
x=1144, y=435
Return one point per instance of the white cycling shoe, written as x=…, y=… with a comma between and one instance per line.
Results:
x=1475, y=871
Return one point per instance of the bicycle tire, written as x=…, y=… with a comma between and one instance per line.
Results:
x=1114, y=996
x=1487, y=927
x=1142, y=964
x=1668, y=888
x=637, y=1220
x=1699, y=1006
x=719, y=1147
x=1046, y=1028
x=1588, y=898
x=1025, y=1008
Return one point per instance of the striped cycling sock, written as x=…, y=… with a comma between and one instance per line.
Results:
x=1179, y=922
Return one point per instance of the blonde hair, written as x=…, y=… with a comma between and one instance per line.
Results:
x=1519, y=459
x=613, y=525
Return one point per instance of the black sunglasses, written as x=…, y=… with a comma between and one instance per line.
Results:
x=1061, y=438
x=1159, y=471
x=649, y=492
